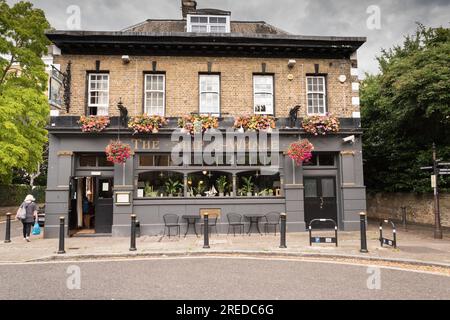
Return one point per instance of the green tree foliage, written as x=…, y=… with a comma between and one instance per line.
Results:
x=404, y=110
x=23, y=105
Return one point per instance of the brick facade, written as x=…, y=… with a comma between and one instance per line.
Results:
x=126, y=82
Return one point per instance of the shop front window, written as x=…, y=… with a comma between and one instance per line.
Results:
x=252, y=183
x=156, y=184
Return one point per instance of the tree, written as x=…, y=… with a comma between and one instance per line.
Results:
x=24, y=106
x=405, y=109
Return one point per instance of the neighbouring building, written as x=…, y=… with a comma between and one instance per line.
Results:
x=203, y=63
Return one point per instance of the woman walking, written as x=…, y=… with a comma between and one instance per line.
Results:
x=31, y=210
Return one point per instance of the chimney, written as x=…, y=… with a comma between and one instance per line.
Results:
x=188, y=6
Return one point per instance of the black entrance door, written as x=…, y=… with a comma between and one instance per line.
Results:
x=104, y=205
x=320, y=199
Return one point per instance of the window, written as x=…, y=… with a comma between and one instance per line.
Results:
x=154, y=94
x=94, y=160
x=263, y=94
x=98, y=99
x=322, y=159
x=316, y=93
x=155, y=160
x=208, y=24
x=210, y=94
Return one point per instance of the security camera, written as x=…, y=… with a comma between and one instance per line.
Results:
x=350, y=139
x=125, y=59
x=291, y=63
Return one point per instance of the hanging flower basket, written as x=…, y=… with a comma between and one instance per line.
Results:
x=146, y=124
x=321, y=125
x=93, y=123
x=300, y=151
x=254, y=123
x=197, y=123
x=118, y=152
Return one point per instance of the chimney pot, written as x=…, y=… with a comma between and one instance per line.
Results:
x=188, y=6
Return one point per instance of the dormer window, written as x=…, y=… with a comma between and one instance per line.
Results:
x=208, y=24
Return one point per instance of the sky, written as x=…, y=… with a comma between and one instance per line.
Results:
x=383, y=22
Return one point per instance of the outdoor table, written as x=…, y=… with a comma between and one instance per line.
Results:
x=191, y=220
x=254, y=220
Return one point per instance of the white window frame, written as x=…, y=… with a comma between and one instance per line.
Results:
x=163, y=91
x=201, y=92
x=271, y=112
x=98, y=105
x=324, y=92
x=207, y=24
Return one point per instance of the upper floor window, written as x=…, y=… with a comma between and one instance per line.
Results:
x=210, y=94
x=208, y=24
x=316, y=94
x=98, y=94
x=154, y=94
x=263, y=94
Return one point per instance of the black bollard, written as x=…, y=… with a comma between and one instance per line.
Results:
x=61, y=236
x=133, y=233
x=362, y=219
x=206, y=231
x=283, y=231
x=8, y=228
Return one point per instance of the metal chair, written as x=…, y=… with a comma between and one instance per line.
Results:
x=212, y=223
x=235, y=220
x=171, y=221
x=272, y=219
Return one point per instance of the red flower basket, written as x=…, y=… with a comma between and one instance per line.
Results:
x=118, y=152
x=300, y=151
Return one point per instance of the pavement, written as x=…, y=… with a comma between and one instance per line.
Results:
x=416, y=247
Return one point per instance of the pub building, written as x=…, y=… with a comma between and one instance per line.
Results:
x=204, y=63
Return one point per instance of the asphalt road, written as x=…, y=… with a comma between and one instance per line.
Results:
x=215, y=278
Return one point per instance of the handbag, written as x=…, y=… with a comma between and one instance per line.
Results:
x=36, y=229
x=21, y=212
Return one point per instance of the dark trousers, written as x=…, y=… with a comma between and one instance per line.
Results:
x=27, y=228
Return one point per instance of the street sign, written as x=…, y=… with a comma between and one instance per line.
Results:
x=444, y=173
x=444, y=164
x=433, y=181
x=426, y=168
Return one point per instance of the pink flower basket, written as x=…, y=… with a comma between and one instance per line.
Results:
x=118, y=152
x=300, y=151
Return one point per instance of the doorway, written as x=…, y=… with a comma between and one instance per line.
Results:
x=320, y=200
x=91, y=206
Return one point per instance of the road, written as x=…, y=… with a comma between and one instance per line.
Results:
x=215, y=278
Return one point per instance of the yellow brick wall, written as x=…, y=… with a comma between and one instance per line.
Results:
x=126, y=82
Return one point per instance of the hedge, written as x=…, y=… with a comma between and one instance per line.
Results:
x=13, y=195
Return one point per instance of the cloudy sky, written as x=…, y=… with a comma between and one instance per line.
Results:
x=306, y=17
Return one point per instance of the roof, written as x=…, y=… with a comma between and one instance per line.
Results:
x=243, y=27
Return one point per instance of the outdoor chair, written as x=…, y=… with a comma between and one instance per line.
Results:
x=171, y=221
x=212, y=223
x=272, y=219
x=235, y=221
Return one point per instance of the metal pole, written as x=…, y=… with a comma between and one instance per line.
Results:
x=133, y=233
x=206, y=231
x=283, y=231
x=437, y=214
x=362, y=219
x=8, y=228
x=61, y=236
x=404, y=217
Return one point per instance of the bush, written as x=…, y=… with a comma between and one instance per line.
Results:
x=13, y=195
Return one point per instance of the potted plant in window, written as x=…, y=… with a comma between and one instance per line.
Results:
x=200, y=189
x=222, y=183
x=254, y=123
x=149, y=191
x=248, y=186
x=321, y=125
x=93, y=123
x=172, y=187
